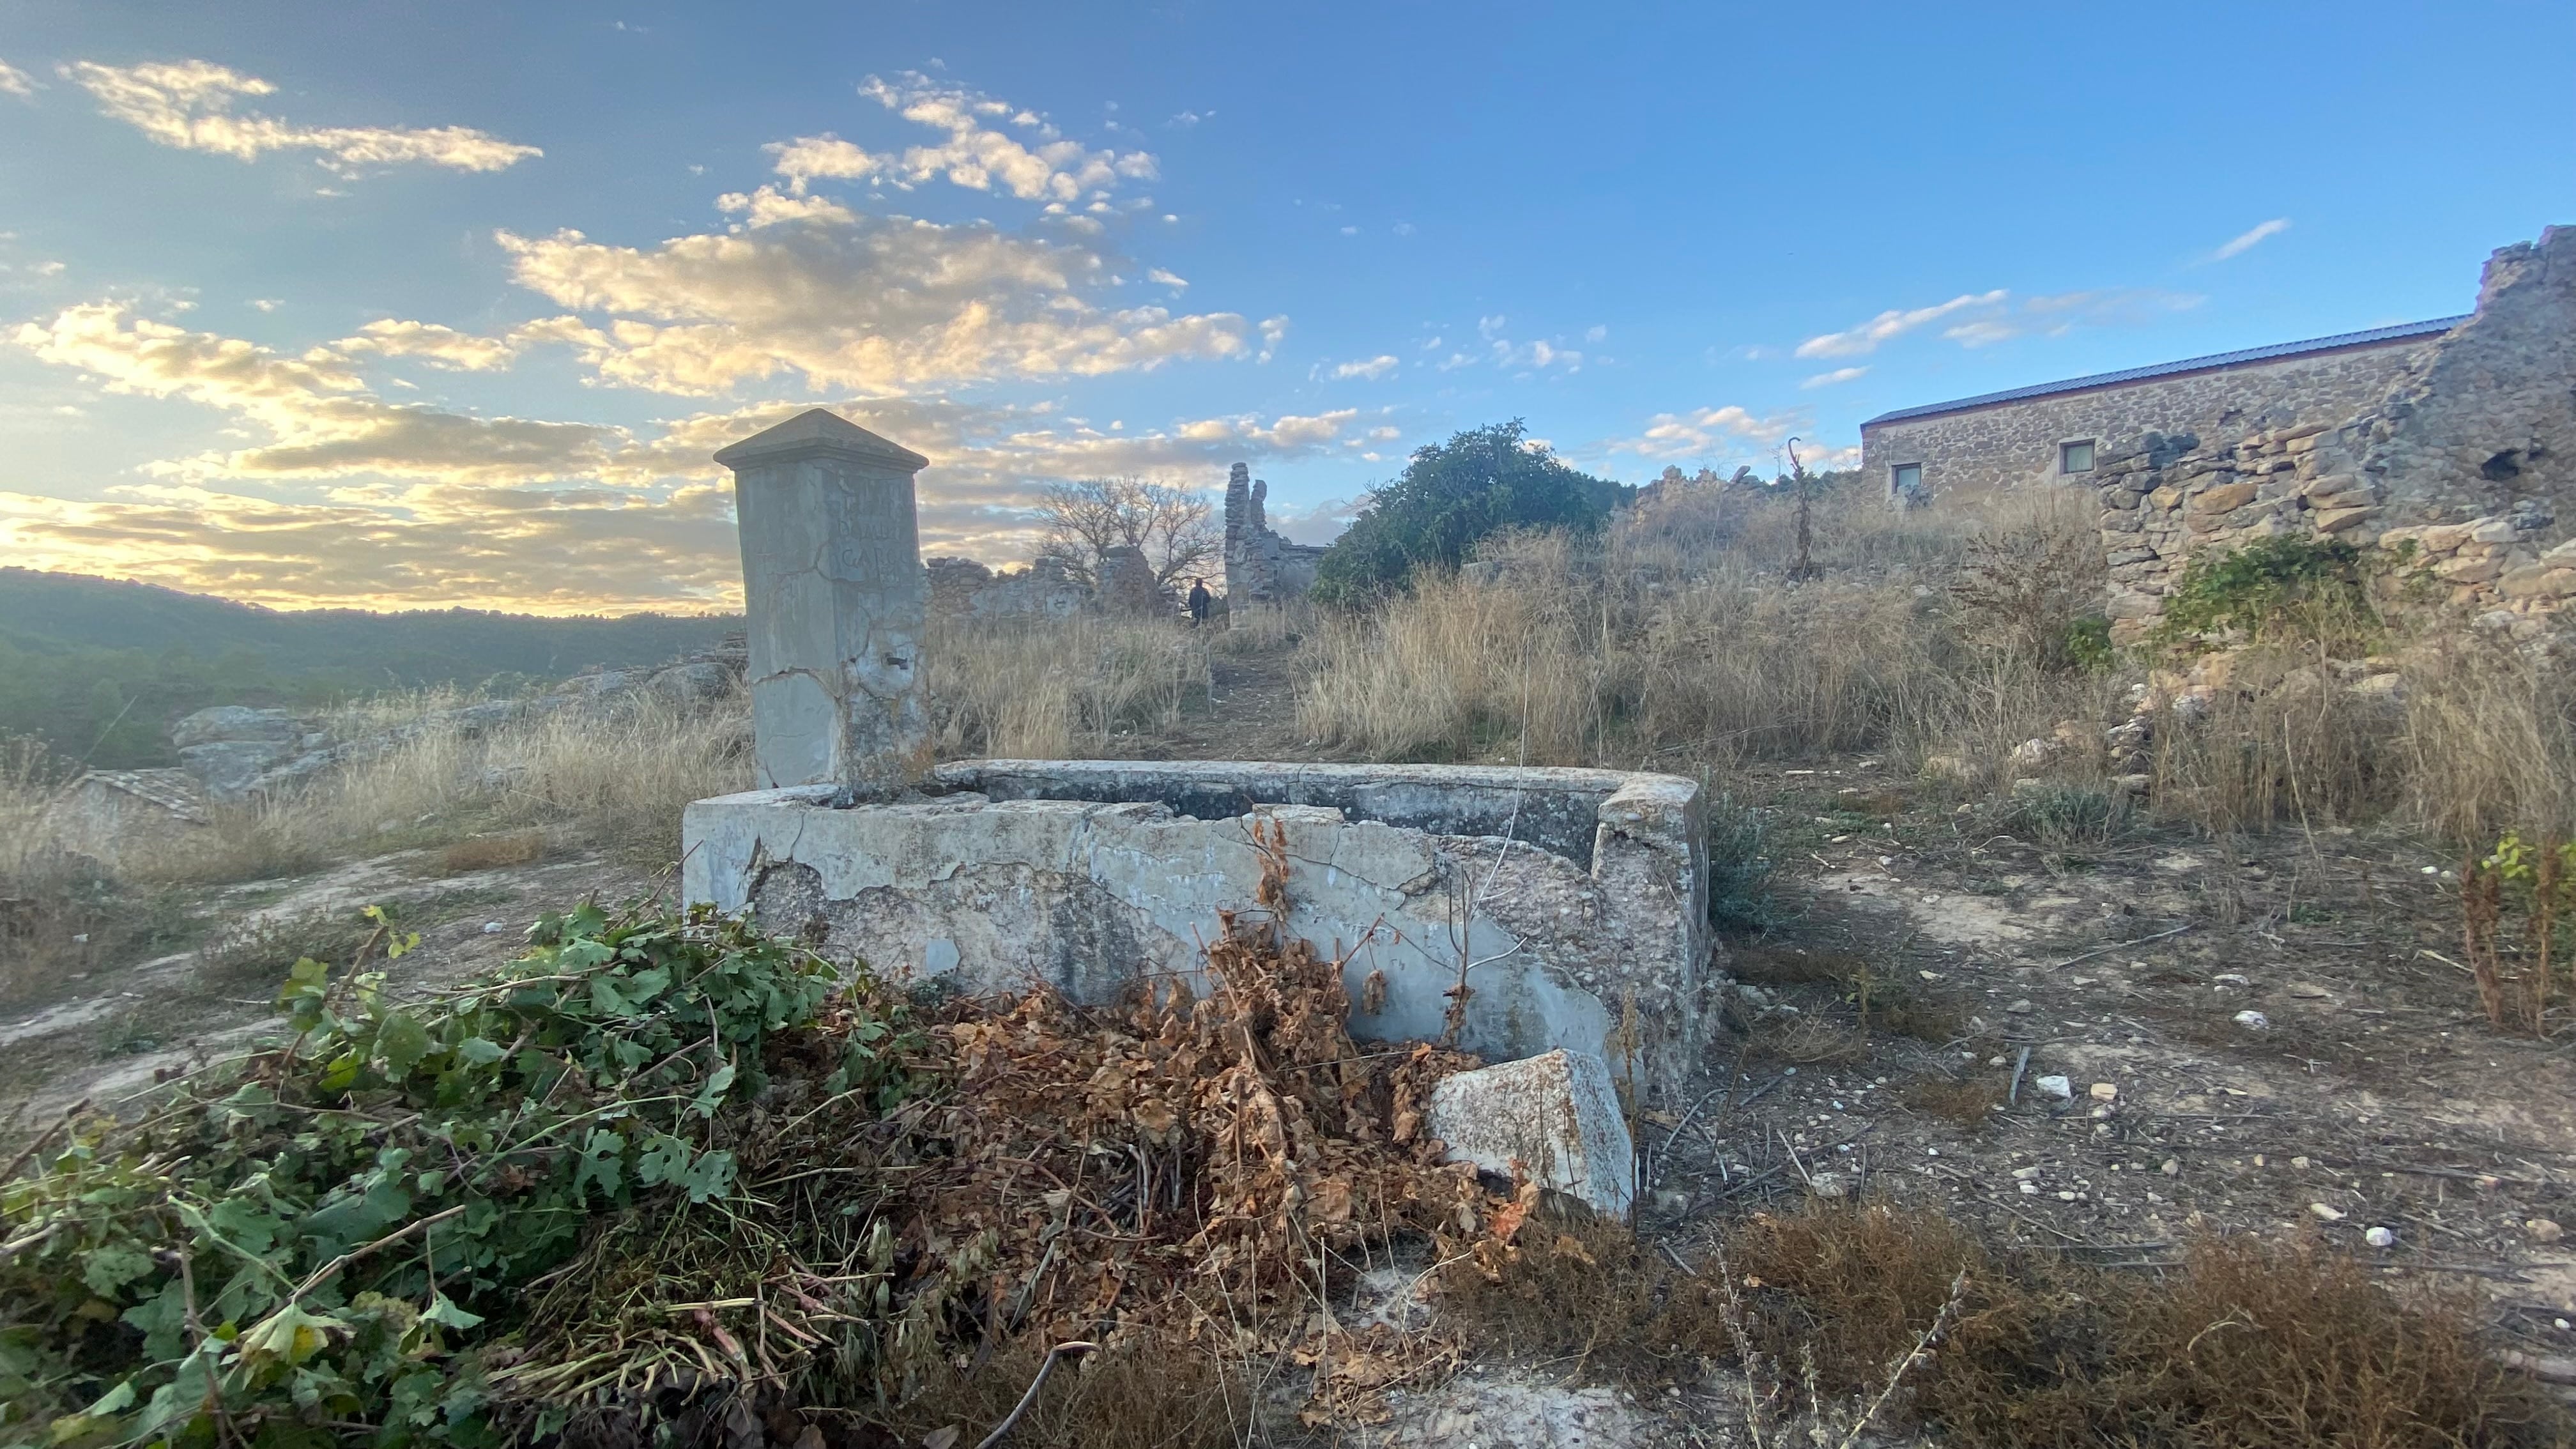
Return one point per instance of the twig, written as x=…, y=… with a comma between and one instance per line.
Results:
x=2012, y=1095
x=328, y=1270
x=1922, y=1348
x=2122, y=945
x=42, y=1138
x=1075, y=1349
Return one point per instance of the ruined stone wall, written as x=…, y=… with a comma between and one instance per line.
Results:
x=1260, y=565
x=961, y=587
x=2469, y=460
x=2014, y=444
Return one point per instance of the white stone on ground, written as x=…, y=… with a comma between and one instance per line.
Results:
x=1556, y=1116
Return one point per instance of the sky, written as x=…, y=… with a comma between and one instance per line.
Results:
x=406, y=306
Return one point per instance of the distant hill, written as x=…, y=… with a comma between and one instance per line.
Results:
x=98, y=668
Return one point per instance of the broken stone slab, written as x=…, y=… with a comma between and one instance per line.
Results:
x=1552, y=1119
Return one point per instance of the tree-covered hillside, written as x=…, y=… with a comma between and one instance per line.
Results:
x=99, y=667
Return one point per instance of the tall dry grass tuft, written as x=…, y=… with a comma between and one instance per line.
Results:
x=1263, y=628
x=1678, y=642
x=1035, y=688
x=2285, y=742
x=2489, y=742
x=612, y=778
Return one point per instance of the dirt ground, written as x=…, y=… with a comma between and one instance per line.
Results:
x=2096, y=1050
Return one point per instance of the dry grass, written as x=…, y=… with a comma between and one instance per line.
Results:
x=611, y=779
x=2242, y=1344
x=1263, y=628
x=493, y=852
x=1955, y=636
x=1047, y=689
x=2489, y=743
x=1970, y=1103
x=1683, y=646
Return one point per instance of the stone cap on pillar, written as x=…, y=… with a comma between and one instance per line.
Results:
x=816, y=432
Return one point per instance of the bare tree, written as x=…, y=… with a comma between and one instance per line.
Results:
x=1087, y=518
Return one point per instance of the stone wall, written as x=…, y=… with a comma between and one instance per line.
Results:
x=2468, y=460
x=1260, y=566
x=1980, y=450
x=1045, y=589
x=1568, y=898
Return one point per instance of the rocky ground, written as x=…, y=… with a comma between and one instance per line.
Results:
x=105, y=1035
x=2095, y=1049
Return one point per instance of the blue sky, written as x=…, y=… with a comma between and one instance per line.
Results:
x=418, y=305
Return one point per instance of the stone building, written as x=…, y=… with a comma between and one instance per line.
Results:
x=2467, y=460
x=1260, y=566
x=2055, y=432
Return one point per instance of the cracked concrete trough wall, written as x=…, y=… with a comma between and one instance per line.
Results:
x=1568, y=894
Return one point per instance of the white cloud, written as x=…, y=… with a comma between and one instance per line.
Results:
x=444, y=346
x=267, y=304
x=320, y=418
x=825, y=157
x=1163, y=278
x=2248, y=240
x=767, y=206
x=1187, y=119
x=881, y=304
x=976, y=154
x=2055, y=316
x=16, y=82
x=1319, y=522
x=1372, y=369
x=1706, y=432
x=419, y=505
x=1838, y=375
x=1865, y=338
x=189, y=104
x=1980, y=319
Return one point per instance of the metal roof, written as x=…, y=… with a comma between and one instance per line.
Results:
x=2400, y=333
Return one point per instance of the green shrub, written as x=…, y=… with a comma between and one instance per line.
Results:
x=2305, y=590
x=2087, y=644
x=320, y=1237
x=1450, y=496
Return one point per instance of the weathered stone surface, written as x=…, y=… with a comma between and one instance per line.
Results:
x=1260, y=565
x=2222, y=498
x=836, y=600
x=1552, y=1119
x=234, y=724
x=1564, y=894
x=2013, y=444
x=2338, y=520
x=1127, y=583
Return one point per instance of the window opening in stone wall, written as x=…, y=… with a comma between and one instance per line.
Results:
x=2075, y=457
x=1905, y=480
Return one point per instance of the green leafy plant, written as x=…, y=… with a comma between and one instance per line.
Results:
x=2086, y=644
x=314, y=1240
x=1452, y=495
x=2534, y=881
x=2303, y=590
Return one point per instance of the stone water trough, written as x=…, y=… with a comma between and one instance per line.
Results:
x=1573, y=903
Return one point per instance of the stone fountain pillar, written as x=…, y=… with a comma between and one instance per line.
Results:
x=836, y=602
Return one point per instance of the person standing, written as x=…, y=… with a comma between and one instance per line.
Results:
x=1200, y=602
